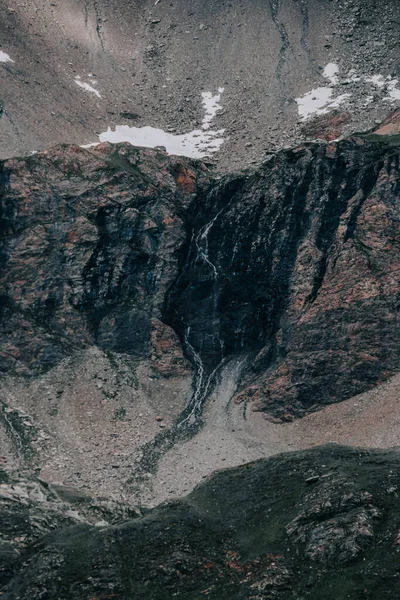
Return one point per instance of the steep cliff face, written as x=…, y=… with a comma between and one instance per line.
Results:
x=89, y=246
x=294, y=267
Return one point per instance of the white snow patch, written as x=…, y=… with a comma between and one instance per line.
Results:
x=86, y=86
x=212, y=106
x=92, y=145
x=314, y=103
x=394, y=92
x=5, y=57
x=319, y=102
x=391, y=86
x=338, y=101
x=195, y=144
x=368, y=100
x=322, y=99
x=353, y=76
x=377, y=80
x=331, y=72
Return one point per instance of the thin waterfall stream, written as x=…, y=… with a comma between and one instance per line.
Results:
x=190, y=420
x=202, y=381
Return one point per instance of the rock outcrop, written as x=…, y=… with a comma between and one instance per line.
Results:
x=320, y=523
x=90, y=244
x=294, y=266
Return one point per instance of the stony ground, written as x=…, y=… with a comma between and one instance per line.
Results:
x=151, y=62
x=81, y=437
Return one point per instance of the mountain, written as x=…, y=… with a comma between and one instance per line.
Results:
x=138, y=286
x=199, y=265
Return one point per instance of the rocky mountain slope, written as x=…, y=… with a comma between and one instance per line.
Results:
x=293, y=265
x=140, y=291
x=163, y=317
x=322, y=523
x=70, y=70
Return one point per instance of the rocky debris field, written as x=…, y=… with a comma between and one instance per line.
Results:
x=77, y=67
x=301, y=525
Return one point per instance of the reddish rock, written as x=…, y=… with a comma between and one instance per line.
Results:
x=90, y=244
x=166, y=351
x=391, y=125
x=326, y=127
x=295, y=265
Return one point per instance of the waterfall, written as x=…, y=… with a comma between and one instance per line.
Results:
x=193, y=307
x=202, y=381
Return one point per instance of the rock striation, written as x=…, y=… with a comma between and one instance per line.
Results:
x=89, y=244
x=293, y=266
x=298, y=271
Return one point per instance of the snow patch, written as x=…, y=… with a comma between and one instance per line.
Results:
x=331, y=72
x=338, y=101
x=212, y=106
x=314, y=102
x=319, y=102
x=368, y=100
x=195, y=144
x=323, y=99
x=92, y=145
x=5, y=57
x=394, y=92
x=377, y=80
x=86, y=86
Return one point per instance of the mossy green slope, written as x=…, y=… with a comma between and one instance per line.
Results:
x=323, y=523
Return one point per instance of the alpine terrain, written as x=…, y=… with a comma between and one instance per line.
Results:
x=199, y=299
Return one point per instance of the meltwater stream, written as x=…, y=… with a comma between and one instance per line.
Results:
x=189, y=421
x=203, y=381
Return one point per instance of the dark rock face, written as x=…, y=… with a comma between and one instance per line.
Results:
x=31, y=508
x=336, y=526
x=321, y=523
x=298, y=270
x=294, y=266
x=89, y=247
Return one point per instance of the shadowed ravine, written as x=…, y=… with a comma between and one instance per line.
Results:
x=244, y=269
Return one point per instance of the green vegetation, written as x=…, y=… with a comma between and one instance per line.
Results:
x=307, y=525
